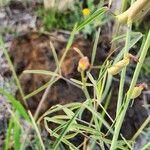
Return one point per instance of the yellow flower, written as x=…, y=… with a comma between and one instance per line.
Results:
x=137, y=90
x=86, y=11
x=83, y=64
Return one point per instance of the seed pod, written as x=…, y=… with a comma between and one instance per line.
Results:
x=136, y=11
x=137, y=90
x=115, y=69
x=86, y=12
x=83, y=64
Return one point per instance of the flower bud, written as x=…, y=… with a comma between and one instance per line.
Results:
x=137, y=90
x=83, y=64
x=116, y=68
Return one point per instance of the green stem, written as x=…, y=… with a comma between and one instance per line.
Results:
x=13, y=70
x=84, y=85
x=123, y=73
x=37, y=130
x=146, y=146
x=44, y=96
x=133, y=83
x=145, y=123
x=117, y=25
x=123, y=6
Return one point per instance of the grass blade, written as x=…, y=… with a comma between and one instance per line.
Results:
x=17, y=134
x=16, y=104
x=41, y=72
x=95, y=15
x=12, y=69
x=63, y=133
x=8, y=134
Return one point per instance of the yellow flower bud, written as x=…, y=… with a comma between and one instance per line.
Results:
x=86, y=11
x=137, y=90
x=83, y=64
x=116, y=68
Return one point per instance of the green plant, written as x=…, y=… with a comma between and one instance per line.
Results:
x=4, y=2
x=53, y=18
x=70, y=123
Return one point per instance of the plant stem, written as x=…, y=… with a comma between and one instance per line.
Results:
x=85, y=90
x=47, y=90
x=145, y=123
x=13, y=70
x=133, y=82
x=37, y=130
x=123, y=73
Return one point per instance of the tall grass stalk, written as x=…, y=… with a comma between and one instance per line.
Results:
x=146, y=146
x=76, y=28
x=57, y=70
x=8, y=133
x=85, y=90
x=123, y=73
x=127, y=101
x=12, y=69
x=145, y=123
x=37, y=130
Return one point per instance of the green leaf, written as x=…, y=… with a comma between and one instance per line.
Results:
x=17, y=133
x=8, y=135
x=2, y=46
x=49, y=83
x=42, y=72
x=57, y=136
x=65, y=130
x=37, y=131
x=55, y=55
x=95, y=47
x=91, y=18
x=123, y=36
x=16, y=104
x=79, y=82
x=99, y=116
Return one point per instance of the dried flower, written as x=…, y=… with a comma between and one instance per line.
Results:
x=137, y=90
x=86, y=12
x=115, y=69
x=83, y=64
